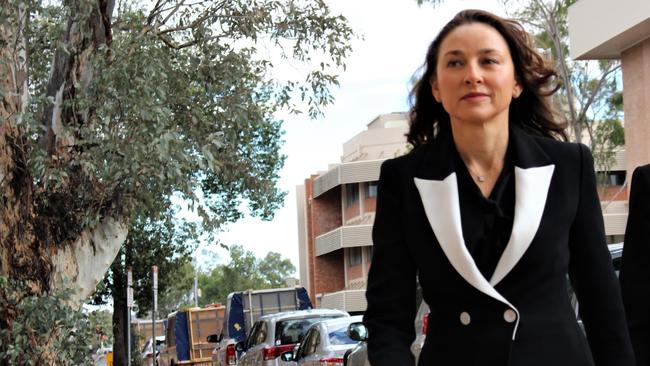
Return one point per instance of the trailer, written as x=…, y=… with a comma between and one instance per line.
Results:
x=187, y=336
x=243, y=308
x=141, y=332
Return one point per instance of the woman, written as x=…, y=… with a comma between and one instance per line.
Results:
x=490, y=212
x=635, y=272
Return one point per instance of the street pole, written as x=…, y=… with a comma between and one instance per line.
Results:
x=129, y=305
x=196, y=283
x=154, y=270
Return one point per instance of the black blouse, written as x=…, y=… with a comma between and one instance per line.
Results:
x=487, y=221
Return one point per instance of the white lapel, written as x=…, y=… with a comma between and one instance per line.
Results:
x=440, y=200
x=531, y=187
x=441, y=205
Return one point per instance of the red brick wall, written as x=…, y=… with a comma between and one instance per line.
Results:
x=326, y=211
x=326, y=273
x=329, y=272
x=310, y=238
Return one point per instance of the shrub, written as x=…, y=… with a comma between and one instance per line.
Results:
x=41, y=329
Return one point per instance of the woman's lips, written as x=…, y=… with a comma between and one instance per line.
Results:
x=473, y=97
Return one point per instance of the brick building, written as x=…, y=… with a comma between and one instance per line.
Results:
x=336, y=211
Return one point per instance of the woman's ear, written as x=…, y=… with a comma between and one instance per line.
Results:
x=517, y=89
x=434, y=90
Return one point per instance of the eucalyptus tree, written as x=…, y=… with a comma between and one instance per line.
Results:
x=109, y=108
x=590, y=99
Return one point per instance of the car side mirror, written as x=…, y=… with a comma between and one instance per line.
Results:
x=213, y=338
x=239, y=346
x=358, y=332
x=287, y=356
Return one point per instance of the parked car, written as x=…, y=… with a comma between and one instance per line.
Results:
x=358, y=356
x=421, y=325
x=274, y=334
x=325, y=343
x=243, y=309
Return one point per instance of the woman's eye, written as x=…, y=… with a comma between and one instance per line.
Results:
x=490, y=61
x=453, y=63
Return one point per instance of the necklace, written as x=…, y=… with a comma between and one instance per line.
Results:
x=479, y=178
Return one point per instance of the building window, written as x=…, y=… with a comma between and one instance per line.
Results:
x=351, y=194
x=612, y=178
x=369, y=253
x=371, y=189
x=354, y=256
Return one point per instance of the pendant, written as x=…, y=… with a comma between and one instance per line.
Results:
x=481, y=178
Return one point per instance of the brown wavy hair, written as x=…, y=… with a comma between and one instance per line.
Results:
x=531, y=111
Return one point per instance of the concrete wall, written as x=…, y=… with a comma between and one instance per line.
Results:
x=602, y=29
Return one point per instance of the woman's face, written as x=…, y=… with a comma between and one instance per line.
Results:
x=475, y=78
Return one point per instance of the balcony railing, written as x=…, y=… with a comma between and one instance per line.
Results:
x=348, y=300
x=354, y=172
x=344, y=237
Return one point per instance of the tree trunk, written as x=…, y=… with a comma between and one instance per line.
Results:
x=119, y=314
x=38, y=244
x=22, y=255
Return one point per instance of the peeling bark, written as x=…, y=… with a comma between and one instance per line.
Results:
x=21, y=254
x=86, y=260
x=42, y=239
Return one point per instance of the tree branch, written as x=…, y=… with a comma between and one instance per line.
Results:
x=553, y=30
x=171, y=44
x=207, y=13
x=596, y=89
x=153, y=12
x=178, y=6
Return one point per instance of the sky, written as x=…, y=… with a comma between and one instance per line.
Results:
x=396, y=34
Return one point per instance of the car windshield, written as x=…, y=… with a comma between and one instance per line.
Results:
x=292, y=331
x=339, y=336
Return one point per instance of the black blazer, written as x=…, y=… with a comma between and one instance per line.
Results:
x=635, y=271
x=522, y=315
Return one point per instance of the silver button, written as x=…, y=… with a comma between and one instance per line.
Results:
x=465, y=319
x=510, y=316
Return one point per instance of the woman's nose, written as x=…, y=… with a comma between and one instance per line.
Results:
x=473, y=74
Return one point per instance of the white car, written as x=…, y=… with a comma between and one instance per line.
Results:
x=277, y=333
x=325, y=343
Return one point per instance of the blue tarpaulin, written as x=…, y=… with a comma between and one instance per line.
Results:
x=182, y=337
x=237, y=317
x=303, y=299
x=236, y=320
